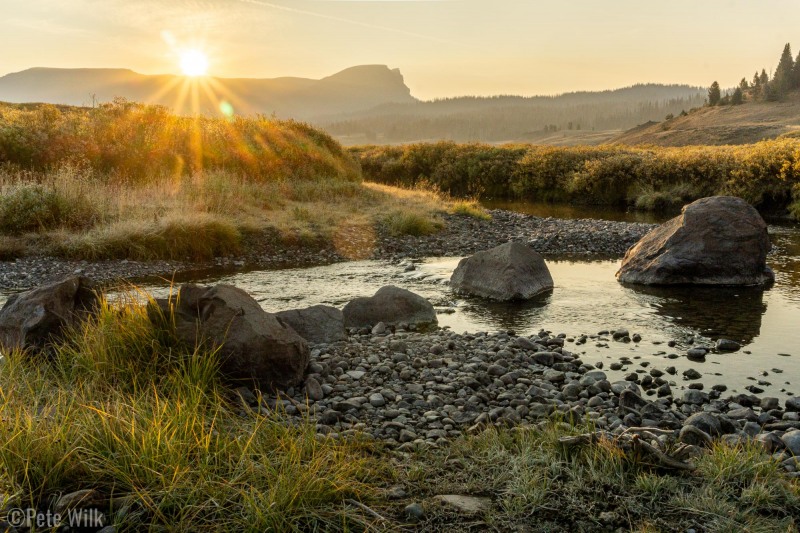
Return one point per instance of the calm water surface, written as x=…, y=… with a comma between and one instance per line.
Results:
x=586, y=300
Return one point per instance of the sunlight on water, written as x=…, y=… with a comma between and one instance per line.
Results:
x=586, y=299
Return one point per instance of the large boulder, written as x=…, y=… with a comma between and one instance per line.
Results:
x=511, y=271
x=720, y=240
x=318, y=324
x=256, y=347
x=31, y=320
x=390, y=305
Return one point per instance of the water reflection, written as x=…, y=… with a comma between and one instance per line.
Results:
x=517, y=315
x=543, y=209
x=713, y=312
x=785, y=259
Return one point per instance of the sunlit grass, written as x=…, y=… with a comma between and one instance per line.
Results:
x=123, y=409
x=766, y=174
x=133, y=181
x=470, y=208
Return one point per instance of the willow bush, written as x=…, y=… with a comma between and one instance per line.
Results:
x=766, y=174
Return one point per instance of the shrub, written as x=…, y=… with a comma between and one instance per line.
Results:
x=764, y=173
x=34, y=207
x=410, y=223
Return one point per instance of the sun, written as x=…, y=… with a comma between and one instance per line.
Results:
x=194, y=63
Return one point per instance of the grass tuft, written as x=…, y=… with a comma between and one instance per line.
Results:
x=197, y=236
x=404, y=223
x=470, y=208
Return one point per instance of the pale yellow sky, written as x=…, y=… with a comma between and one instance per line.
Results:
x=444, y=48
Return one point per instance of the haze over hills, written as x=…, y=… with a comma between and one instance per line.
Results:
x=572, y=118
x=369, y=104
x=353, y=89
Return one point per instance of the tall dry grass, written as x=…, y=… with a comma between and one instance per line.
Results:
x=133, y=181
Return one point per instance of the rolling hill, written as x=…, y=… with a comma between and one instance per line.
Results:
x=368, y=104
x=742, y=124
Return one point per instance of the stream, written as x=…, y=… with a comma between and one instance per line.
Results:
x=588, y=300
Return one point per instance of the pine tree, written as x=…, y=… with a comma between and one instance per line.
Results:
x=738, y=96
x=796, y=73
x=764, y=78
x=743, y=85
x=714, y=94
x=756, y=81
x=784, y=74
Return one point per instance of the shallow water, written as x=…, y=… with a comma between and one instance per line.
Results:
x=586, y=300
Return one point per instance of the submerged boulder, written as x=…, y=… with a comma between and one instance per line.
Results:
x=511, y=271
x=32, y=319
x=720, y=240
x=390, y=305
x=318, y=324
x=256, y=347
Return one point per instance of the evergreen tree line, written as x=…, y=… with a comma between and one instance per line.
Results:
x=762, y=87
x=506, y=118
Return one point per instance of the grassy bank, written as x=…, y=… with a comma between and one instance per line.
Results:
x=125, y=411
x=132, y=181
x=766, y=174
x=122, y=409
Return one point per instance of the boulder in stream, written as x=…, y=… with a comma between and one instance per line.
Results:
x=719, y=240
x=511, y=271
x=390, y=305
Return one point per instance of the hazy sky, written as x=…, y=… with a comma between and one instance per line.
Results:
x=444, y=47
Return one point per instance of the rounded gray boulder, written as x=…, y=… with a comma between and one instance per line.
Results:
x=256, y=348
x=719, y=240
x=318, y=324
x=511, y=271
x=390, y=305
x=33, y=319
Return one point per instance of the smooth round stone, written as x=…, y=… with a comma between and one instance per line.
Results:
x=377, y=400
x=414, y=512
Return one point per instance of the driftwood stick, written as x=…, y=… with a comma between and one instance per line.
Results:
x=366, y=509
x=663, y=458
x=578, y=440
x=657, y=431
x=585, y=438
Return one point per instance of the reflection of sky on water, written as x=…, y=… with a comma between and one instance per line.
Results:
x=586, y=300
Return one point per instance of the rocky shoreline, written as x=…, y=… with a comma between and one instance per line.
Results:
x=414, y=390
x=410, y=389
x=462, y=235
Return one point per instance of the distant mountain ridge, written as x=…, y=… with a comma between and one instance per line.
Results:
x=353, y=89
x=369, y=104
x=570, y=118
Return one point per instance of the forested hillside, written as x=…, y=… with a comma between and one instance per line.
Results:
x=514, y=118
